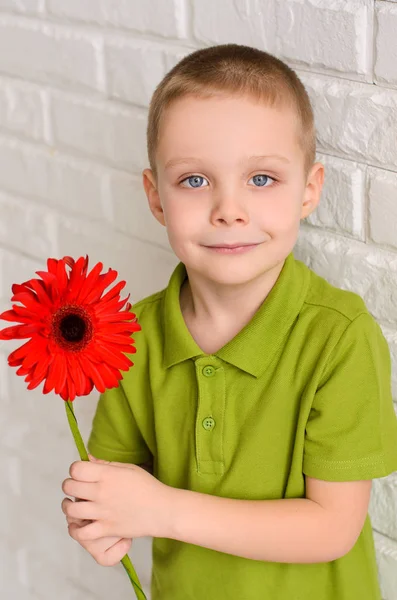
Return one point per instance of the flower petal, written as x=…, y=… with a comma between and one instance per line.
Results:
x=114, y=292
x=91, y=369
x=62, y=278
x=53, y=375
x=61, y=371
x=104, y=281
x=42, y=292
x=117, y=360
x=90, y=282
x=78, y=374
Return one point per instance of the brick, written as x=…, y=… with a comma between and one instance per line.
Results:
x=106, y=581
x=386, y=44
x=172, y=57
x=122, y=253
x=116, y=136
x=49, y=54
x=341, y=204
x=382, y=206
x=33, y=444
x=392, y=341
x=340, y=34
x=23, y=6
x=131, y=212
x=24, y=431
x=368, y=271
x=15, y=267
x=24, y=418
x=133, y=70
x=45, y=174
x=21, y=109
x=237, y=21
x=24, y=225
x=39, y=544
x=386, y=554
x=26, y=426
x=10, y=476
x=354, y=119
x=38, y=536
x=4, y=389
x=12, y=583
x=383, y=505
x=166, y=19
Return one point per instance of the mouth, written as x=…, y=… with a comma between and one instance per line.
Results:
x=238, y=245
x=232, y=249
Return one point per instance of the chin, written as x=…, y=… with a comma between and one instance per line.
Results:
x=232, y=275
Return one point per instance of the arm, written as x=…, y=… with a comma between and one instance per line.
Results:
x=296, y=530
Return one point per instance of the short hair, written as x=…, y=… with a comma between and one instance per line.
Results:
x=238, y=70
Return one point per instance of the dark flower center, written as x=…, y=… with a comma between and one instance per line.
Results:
x=72, y=328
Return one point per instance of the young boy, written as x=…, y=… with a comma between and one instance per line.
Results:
x=261, y=391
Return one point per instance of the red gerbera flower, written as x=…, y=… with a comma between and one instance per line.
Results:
x=78, y=338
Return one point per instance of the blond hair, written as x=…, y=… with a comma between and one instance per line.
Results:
x=239, y=70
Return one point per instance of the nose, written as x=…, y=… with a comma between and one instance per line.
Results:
x=228, y=208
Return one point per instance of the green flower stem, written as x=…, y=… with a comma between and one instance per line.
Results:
x=126, y=562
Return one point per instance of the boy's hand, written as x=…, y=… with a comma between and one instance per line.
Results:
x=107, y=551
x=123, y=501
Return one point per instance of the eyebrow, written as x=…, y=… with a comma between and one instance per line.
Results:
x=177, y=161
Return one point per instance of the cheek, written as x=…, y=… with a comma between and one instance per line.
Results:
x=280, y=217
x=182, y=218
x=285, y=210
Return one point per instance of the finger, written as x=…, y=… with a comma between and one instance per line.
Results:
x=90, y=532
x=74, y=528
x=79, y=489
x=78, y=522
x=86, y=470
x=81, y=510
x=69, y=519
x=98, y=546
x=115, y=553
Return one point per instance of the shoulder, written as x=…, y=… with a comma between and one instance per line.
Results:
x=149, y=300
x=148, y=309
x=148, y=313
x=333, y=317
x=337, y=302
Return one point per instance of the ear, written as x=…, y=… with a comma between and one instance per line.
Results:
x=314, y=186
x=150, y=186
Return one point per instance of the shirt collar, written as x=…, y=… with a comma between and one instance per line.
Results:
x=253, y=347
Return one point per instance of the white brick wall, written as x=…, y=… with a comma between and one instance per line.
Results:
x=76, y=77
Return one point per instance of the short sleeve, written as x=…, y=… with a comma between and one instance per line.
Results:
x=351, y=431
x=115, y=434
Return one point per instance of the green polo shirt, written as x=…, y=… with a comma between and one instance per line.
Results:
x=303, y=389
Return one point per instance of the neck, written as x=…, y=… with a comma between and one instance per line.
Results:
x=225, y=306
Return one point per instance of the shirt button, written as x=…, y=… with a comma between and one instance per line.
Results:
x=209, y=371
x=208, y=423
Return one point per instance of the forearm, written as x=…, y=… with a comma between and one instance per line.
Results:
x=295, y=530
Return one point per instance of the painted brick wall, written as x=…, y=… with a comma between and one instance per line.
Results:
x=75, y=81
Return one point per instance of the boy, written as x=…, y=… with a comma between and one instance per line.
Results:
x=261, y=391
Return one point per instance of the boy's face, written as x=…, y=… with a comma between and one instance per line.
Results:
x=219, y=195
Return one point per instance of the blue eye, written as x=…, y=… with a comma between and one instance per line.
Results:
x=260, y=179
x=195, y=179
